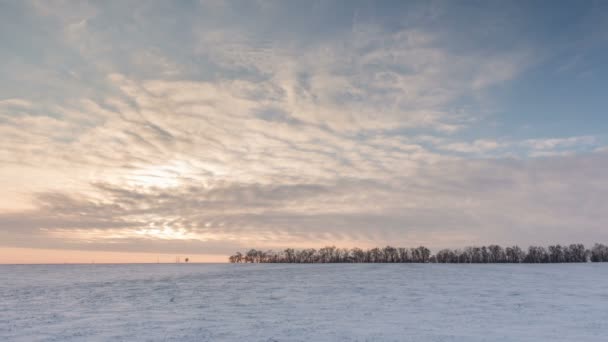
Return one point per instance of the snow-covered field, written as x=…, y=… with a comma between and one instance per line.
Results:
x=332, y=302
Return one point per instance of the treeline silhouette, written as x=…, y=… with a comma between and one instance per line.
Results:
x=468, y=255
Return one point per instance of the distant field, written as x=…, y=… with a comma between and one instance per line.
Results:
x=320, y=302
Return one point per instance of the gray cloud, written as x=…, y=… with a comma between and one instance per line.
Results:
x=451, y=203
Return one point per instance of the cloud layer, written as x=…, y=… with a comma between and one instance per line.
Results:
x=221, y=127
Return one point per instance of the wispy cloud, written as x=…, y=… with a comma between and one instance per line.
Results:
x=210, y=129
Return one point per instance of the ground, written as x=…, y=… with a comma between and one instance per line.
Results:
x=281, y=302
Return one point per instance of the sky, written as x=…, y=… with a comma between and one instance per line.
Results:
x=137, y=131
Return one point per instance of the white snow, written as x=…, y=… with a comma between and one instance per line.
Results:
x=280, y=302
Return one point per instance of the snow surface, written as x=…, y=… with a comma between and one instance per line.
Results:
x=280, y=302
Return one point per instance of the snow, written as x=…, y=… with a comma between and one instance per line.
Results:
x=322, y=302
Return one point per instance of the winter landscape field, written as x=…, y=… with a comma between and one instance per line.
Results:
x=322, y=302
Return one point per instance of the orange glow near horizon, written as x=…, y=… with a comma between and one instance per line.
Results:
x=55, y=256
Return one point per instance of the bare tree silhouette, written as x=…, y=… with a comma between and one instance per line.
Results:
x=473, y=254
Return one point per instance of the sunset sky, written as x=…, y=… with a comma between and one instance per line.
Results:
x=137, y=131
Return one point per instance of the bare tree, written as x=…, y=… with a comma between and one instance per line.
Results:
x=599, y=253
x=421, y=254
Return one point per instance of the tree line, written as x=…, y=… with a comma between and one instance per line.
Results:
x=469, y=255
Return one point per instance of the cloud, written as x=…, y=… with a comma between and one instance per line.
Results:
x=477, y=146
x=451, y=203
x=523, y=148
x=15, y=103
x=550, y=144
x=137, y=131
